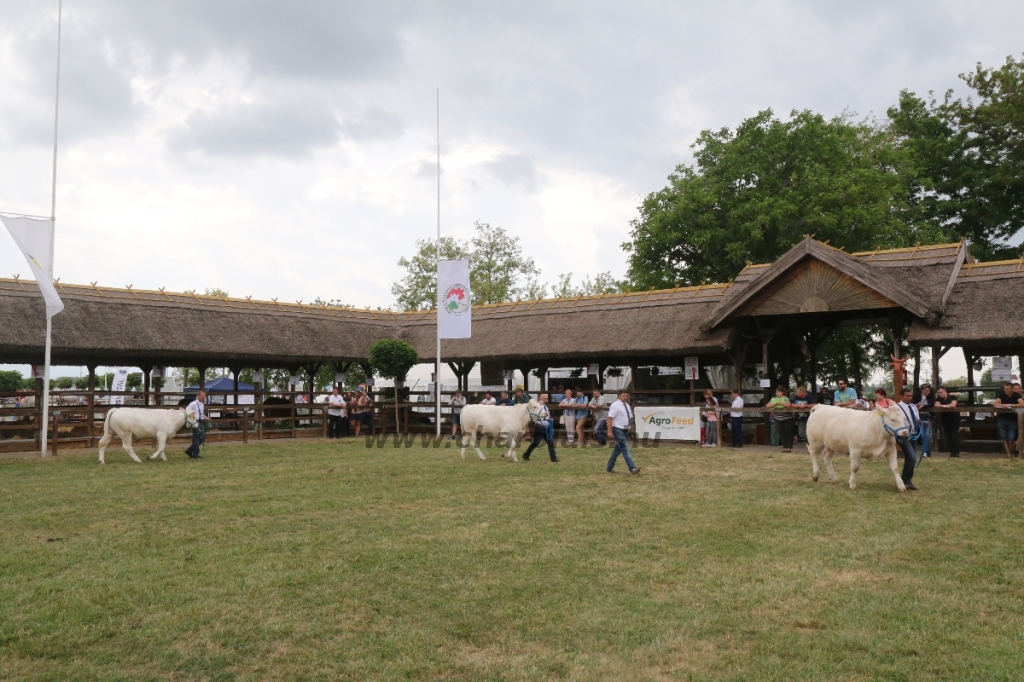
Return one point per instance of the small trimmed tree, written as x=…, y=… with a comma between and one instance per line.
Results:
x=392, y=359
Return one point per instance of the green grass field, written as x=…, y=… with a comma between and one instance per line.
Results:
x=318, y=560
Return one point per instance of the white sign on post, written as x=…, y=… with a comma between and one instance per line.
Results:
x=668, y=423
x=38, y=371
x=594, y=368
x=257, y=377
x=1002, y=368
x=691, y=368
x=120, y=383
x=156, y=373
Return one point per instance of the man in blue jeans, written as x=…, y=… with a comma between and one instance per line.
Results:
x=620, y=419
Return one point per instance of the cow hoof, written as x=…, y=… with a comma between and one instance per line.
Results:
x=853, y=486
x=902, y=489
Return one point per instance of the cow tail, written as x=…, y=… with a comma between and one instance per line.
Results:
x=106, y=422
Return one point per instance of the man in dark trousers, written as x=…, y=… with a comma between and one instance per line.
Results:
x=196, y=413
x=543, y=429
x=912, y=420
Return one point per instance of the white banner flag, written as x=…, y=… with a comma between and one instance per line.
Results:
x=454, y=308
x=33, y=235
x=120, y=383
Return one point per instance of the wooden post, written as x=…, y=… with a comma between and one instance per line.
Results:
x=202, y=378
x=936, y=379
x=295, y=417
x=323, y=418
x=917, y=368
x=90, y=403
x=245, y=427
x=39, y=413
x=158, y=384
x=56, y=430
x=969, y=358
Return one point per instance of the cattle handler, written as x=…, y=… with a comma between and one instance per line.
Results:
x=196, y=411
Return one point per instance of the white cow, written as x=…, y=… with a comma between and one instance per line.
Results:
x=503, y=422
x=858, y=433
x=138, y=422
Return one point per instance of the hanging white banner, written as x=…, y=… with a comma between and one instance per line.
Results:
x=34, y=236
x=119, y=384
x=454, y=306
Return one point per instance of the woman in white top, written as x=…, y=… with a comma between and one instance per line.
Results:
x=569, y=415
x=336, y=414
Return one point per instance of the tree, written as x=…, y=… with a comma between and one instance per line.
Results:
x=498, y=270
x=967, y=158
x=10, y=380
x=392, y=359
x=750, y=195
x=418, y=289
x=603, y=283
x=217, y=292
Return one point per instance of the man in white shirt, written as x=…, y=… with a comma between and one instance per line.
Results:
x=620, y=420
x=569, y=415
x=488, y=399
x=196, y=413
x=336, y=413
x=912, y=420
x=736, y=418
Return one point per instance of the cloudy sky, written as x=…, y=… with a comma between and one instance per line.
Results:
x=287, y=149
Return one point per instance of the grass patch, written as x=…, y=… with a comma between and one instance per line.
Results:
x=329, y=561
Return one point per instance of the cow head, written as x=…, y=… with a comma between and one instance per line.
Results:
x=892, y=419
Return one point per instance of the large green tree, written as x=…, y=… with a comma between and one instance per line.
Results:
x=967, y=158
x=498, y=269
x=752, y=193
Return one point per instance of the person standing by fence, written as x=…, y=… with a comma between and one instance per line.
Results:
x=581, y=415
x=568, y=416
x=710, y=416
x=950, y=421
x=802, y=400
x=457, y=403
x=335, y=413
x=779, y=405
x=620, y=421
x=736, y=417
x=925, y=400
x=1006, y=418
x=197, y=411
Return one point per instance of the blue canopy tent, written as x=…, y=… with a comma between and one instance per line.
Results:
x=227, y=385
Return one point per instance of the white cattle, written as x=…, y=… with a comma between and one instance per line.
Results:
x=858, y=433
x=138, y=422
x=500, y=421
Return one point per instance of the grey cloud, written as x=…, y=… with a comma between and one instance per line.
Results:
x=515, y=170
x=258, y=130
x=374, y=124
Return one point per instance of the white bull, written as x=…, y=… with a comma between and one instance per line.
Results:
x=503, y=422
x=858, y=433
x=137, y=422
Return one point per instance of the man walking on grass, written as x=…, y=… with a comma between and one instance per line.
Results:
x=620, y=420
x=543, y=429
x=196, y=411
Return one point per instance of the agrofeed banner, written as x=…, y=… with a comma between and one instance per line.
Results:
x=454, y=309
x=668, y=423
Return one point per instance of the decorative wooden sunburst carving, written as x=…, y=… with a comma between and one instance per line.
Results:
x=814, y=287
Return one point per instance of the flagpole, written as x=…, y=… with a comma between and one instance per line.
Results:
x=437, y=271
x=53, y=220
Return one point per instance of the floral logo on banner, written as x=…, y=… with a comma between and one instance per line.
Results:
x=456, y=299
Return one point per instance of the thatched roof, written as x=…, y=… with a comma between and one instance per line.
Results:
x=984, y=311
x=655, y=324
x=103, y=325
x=898, y=279
x=953, y=302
